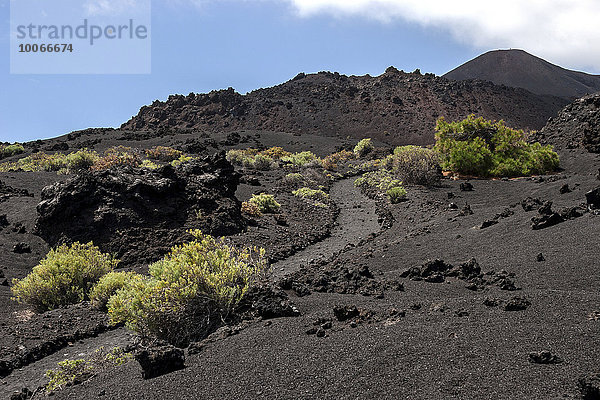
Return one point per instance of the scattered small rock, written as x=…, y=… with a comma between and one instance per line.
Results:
x=517, y=304
x=531, y=204
x=24, y=394
x=466, y=187
x=546, y=217
x=160, y=360
x=343, y=313
x=544, y=357
x=593, y=199
x=22, y=248
x=452, y=206
x=488, y=223
x=466, y=210
x=564, y=189
x=590, y=387
x=540, y=257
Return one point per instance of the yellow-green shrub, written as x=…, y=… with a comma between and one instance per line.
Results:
x=313, y=194
x=163, y=153
x=8, y=150
x=363, y=147
x=331, y=161
x=381, y=181
x=188, y=290
x=251, y=209
x=415, y=165
x=266, y=203
x=302, y=159
x=108, y=285
x=65, y=276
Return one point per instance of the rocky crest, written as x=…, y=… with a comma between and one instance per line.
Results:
x=395, y=107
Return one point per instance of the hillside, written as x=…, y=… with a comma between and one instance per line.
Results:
x=395, y=107
x=517, y=68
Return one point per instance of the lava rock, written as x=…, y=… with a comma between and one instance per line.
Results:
x=590, y=387
x=267, y=302
x=564, y=189
x=531, y=203
x=546, y=217
x=544, y=357
x=540, y=257
x=516, y=304
x=466, y=210
x=593, y=199
x=160, y=360
x=22, y=248
x=466, y=187
x=343, y=313
x=138, y=214
x=487, y=223
x=24, y=394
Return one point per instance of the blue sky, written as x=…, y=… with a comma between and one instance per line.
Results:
x=201, y=45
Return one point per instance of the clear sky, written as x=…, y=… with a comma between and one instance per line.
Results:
x=201, y=45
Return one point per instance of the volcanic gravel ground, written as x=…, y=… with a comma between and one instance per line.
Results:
x=428, y=341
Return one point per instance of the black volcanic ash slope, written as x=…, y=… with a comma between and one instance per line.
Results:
x=517, y=68
x=395, y=107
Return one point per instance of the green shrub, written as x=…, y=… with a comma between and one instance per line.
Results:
x=163, y=153
x=275, y=153
x=8, y=150
x=475, y=146
x=251, y=209
x=415, y=165
x=331, y=162
x=294, y=177
x=65, y=276
x=313, y=194
x=302, y=159
x=241, y=156
x=251, y=158
x=396, y=194
x=363, y=147
x=149, y=164
x=189, y=290
x=266, y=203
x=262, y=162
x=72, y=372
x=108, y=285
x=81, y=160
x=381, y=181
x=181, y=160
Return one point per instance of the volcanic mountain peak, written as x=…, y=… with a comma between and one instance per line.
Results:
x=395, y=107
x=517, y=68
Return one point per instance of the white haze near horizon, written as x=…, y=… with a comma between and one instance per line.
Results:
x=564, y=32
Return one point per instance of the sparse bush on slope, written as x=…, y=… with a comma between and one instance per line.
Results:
x=65, y=276
x=8, y=150
x=189, y=291
x=265, y=202
x=415, y=165
x=475, y=146
x=363, y=147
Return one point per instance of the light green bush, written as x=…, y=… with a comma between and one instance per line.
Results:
x=181, y=160
x=415, y=165
x=65, y=276
x=302, y=159
x=294, y=177
x=108, y=285
x=313, y=194
x=189, y=290
x=363, y=147
x=81, y=160
x=266, y=203
x=475, y=146
x=8, y=150
x=163, y=153
x=382, y=182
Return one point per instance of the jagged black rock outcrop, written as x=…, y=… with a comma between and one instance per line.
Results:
x=138, y=214
x=577, y=125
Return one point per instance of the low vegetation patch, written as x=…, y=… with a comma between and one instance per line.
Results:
x=58, y=162
x=415, y=165
x=9, y=150
x=251, y=209
x=189, y=291
x=163, y=153
x=381, y=181
x=65, y=276
x=332, y=161
x=363, y=147
x=72, y=372
x=313, y=194
x=475, y=146
x=265, y=202
x=108, y=285
x=302, y=159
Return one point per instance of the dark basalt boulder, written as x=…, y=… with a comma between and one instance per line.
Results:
x=160, y=360
x=590, y=387
x=593, y=198
x=139, y=214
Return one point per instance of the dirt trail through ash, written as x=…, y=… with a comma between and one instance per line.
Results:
x=357, y=219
